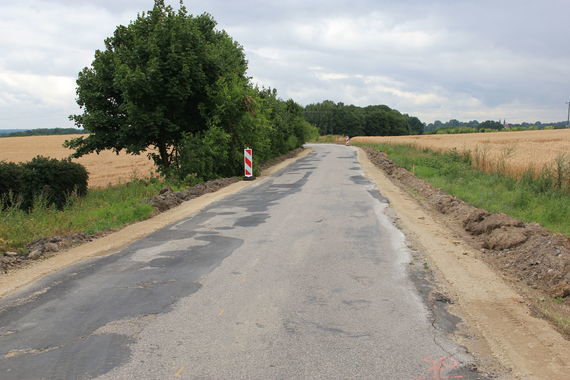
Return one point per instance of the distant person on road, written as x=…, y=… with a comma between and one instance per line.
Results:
x=347, y=141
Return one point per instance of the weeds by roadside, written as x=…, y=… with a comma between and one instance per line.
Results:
x=99, y=210
x=542, y=197
x=329, y=139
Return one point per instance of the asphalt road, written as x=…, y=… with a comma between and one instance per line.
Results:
x=301, y=275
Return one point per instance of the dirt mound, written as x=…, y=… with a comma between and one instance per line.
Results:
x=57, y=243
x=529, y=252
x=167, y=199
x=481, y=222
x=41, y=247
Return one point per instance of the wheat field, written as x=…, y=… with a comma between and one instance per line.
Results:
x=105, y=168
x=512, y=153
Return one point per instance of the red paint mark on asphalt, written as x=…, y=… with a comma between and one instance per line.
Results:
x=439, y=368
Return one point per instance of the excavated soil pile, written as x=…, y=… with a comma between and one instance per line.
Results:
x=44, y=246
x=529, y=252
x=167, y=199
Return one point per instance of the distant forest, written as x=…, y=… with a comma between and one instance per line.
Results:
x=43, y=132
x=379, y=120
x=456, y=126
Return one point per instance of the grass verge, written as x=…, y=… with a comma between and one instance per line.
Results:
x=99, y=210
x=328, y=139
x=531, y=199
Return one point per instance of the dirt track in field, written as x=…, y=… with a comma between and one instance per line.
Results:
x=106, y=168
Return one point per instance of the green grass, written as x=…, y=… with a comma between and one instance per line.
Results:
x=99, y=210
x=331, y=139
x=529, y=199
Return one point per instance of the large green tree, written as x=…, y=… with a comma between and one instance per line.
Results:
x=156, y=82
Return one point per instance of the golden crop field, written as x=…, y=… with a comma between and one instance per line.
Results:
x=513, y=153
x=104, y=169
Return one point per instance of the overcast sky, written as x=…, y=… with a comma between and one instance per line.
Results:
x=435, y=59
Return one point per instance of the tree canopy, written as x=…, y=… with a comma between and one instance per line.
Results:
x=156, y=80
x=172, y=82
x=350, y=120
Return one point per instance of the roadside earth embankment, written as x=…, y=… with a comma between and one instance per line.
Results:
x=530, y=252
x=496, y=272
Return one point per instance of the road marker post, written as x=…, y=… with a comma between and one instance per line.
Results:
x=248, y=164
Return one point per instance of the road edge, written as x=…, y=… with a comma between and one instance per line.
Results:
x=114, y=242
x=497, y=319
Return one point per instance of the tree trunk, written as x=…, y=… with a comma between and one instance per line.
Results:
x=164, y=157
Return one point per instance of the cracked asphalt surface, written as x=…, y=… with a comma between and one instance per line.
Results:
x=301, y=275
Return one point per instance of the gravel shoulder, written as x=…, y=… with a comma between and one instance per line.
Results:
x=26, y=273
x=498, y=321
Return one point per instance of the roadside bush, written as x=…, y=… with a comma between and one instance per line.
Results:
x=11, y=183
x=204, y=156
x=42, y=179
x=310, y=132
x=54, y=179
x=245, y=116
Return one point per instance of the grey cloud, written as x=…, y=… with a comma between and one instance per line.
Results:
x=437, y=59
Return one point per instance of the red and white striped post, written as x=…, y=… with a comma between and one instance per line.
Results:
x=248, y=164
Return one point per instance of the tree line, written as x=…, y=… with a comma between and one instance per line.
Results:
x=43, y=132
x=350, y=120
x=456, y=126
